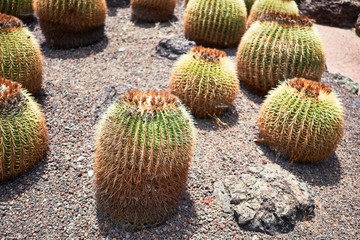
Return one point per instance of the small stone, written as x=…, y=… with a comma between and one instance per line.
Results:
x=91, y=173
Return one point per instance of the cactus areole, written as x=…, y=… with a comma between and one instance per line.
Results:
x=302, y=120
x=144, y=146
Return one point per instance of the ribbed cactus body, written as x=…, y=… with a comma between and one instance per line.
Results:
x=71, y=23
x=261, y=8
x=23, y=132
x=19, y=8
x=153, y=10
x=279, y=47
x=20, y=54
x=144, y=146
x=215, y=23
x=205, y=80
x=302, y=120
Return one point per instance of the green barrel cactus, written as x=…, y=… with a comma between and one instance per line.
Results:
x=261, y=8
x=19, y=8
x=21, y=58
x=23, y=132
x=215, y=23
x=144, y=145
x=205, y=80
x=152, y=10
x=71, y=24
x=302, y=120
x=279, y=47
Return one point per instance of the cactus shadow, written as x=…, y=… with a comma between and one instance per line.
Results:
x=113, y=6
x=142, y=24
x=230, y=52
x=228, y=119
x=325, y=173
x=74, y=53
x=185, y=217
x=258, y=99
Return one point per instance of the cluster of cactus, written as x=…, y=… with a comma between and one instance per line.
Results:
x=152, y=10
x=215, y=23
x=279, y=47
x=23, y=132
x=205, y=80
x=70, y=24
x=261, y=8
x=19, y=8
x=144, y=146
x=302, y=120
x=21, y=58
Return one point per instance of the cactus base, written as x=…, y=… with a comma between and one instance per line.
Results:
x=151, y=15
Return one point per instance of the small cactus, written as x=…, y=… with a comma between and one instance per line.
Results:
x=215, y=23
x=21, y=58
x=71, y=24
x=152, y=10
x=19, y=8
x=205, y=80
x=279, y=47
x=144, y=146
x=261, y=8
x=23, y=132
x=302, y=120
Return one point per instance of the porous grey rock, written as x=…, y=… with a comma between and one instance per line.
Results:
x=173, y=48
x=266, y=198
x=346, y=82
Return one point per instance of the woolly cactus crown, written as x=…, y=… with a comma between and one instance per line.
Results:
x=8, y=22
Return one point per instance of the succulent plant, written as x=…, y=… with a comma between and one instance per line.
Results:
x=71, y=24
x=21, y=58
x=23, y=132
x=215, y=23
x=205, y=80
x=144, y=146
x=261, y=8
x=152, y=10
x=19, y=8
x=302, y=120
x=279, y=47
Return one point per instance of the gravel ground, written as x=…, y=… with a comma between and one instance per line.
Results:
x=55, y=199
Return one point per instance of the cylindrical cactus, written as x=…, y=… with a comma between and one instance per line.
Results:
x=152, y=10
x=215, y=23
x=302, y=120
x=144, y=146
x=19, y=8
x=23, y=132
x=279, y=47
x=205, y=80
x=70, y=24
x=261, y=8
x=21, y=58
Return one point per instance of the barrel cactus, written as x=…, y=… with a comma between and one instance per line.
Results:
x=152, y=10
x=261, y=8
x=144, y=146
x=205, y=80
x=279, y=47
x=21, y=58
x=71, y=24
x=19, y=8
x=302, y=120
x=215, y=23
x=23, y=132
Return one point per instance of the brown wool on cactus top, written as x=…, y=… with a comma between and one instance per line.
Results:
x=289, y=19
x=8, y=21
x=208, y=54
x=311, y=88
x=9, y=90
x=151, y=99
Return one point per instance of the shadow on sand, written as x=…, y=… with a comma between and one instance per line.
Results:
x=228, y=119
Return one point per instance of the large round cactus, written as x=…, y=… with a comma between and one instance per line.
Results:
x=215, y=23
x=21, y=58
x=144, y=146
x=152, y=10
x=19, y=8
x=23, y=132
x=205, y=80
x=278, y=47
x=261, y=8
x=302, y=120
x=69, y=24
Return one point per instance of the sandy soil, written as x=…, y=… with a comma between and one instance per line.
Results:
x=55, y=199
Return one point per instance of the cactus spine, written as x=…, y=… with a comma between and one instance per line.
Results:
x=19, y=8
x=20, y=54
x=278, y=47
x=153, y=10
x=23, y=132
x=69, y=24
x=205, y=80
x=261, y=8
x=302, y=120
x=144, y=146
x=215, y=23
